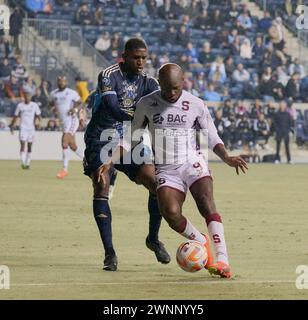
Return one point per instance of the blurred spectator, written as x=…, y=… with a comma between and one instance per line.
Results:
x=291, y=109
x=265, y=23
x=243, y=128
x=164, y=58
x=292, y=88
x=200, y=83
x=217, y=71
x=83, y=15
x=277, y=34
x=270, y=110
x=5, y=70
x=149, y=69
x=232, y=35
x=13, y=90
x=5, y=48
x=278, y=88
x=258, y=48
x=45, y=87
x=261, y=130
x=229, y=66
x=206, y=57
x=216, y=19
x=220, y=126
x=245, y=50
x=251, y=90
x=52, y=125
x=116, y=40
x=245, y=20
x=152, y=9
x=230, y=131
x=295, y=66
x=19, y=70
x=99, y=16
x=202, y=21
x=193, y=9
x=256, y=109
x=220, y=39
x=210, y=94
x=183, y=62
x=172, y=36
x=240, y=109
x=227, y=109
x=271, y=58
x=240, y=75
x=188, y=86
x=267, y=88
x=166, y=10
x=103, y=42
x=16, y=19
x=29, y=86
x=182, y=36
x=113, y=54
x=282, y=125
x=82, y=89
x=233, y=12
x=42, y=102
x=236, y=46
x=282, y=76
x=139, y=9
x=155, y=62
x=191, y=53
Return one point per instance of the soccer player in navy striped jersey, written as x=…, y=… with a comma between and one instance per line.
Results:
x=119, y=88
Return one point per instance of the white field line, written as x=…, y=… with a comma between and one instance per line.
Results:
x=206, y=283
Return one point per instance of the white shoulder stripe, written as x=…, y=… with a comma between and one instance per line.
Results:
x=110, y=69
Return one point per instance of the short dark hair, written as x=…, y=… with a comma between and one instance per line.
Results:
x=134, y=44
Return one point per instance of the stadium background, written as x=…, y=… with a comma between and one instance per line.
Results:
x=79, y=40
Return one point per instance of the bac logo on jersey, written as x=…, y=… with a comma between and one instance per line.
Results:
x=157, y=118
x=176, y=118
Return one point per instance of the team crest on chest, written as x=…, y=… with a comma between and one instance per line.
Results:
x=129, y=94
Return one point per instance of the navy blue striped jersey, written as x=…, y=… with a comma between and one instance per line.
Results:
x=115, y=99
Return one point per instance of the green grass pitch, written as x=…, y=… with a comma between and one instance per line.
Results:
x=50, y=242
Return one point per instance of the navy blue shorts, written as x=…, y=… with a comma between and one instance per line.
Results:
x=92, y=161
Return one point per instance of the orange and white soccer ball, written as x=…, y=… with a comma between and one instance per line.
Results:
x=191, y=256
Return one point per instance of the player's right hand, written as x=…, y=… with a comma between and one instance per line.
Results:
x=12, y=129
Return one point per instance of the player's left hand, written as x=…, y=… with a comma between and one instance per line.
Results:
x=237, y=162
x=103, y=172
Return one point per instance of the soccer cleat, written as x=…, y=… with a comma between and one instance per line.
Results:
x=110, y=262
x=27, y=167
x=23, y=166
x=158, y=248
x=207, y=245
x=62, y=174
x=220, y=269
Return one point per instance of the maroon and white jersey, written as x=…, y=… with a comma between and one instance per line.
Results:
x=172, y=127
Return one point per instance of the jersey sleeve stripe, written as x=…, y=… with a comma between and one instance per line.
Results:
x=108, y=93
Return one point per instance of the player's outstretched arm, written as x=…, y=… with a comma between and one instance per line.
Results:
x=236, y=162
